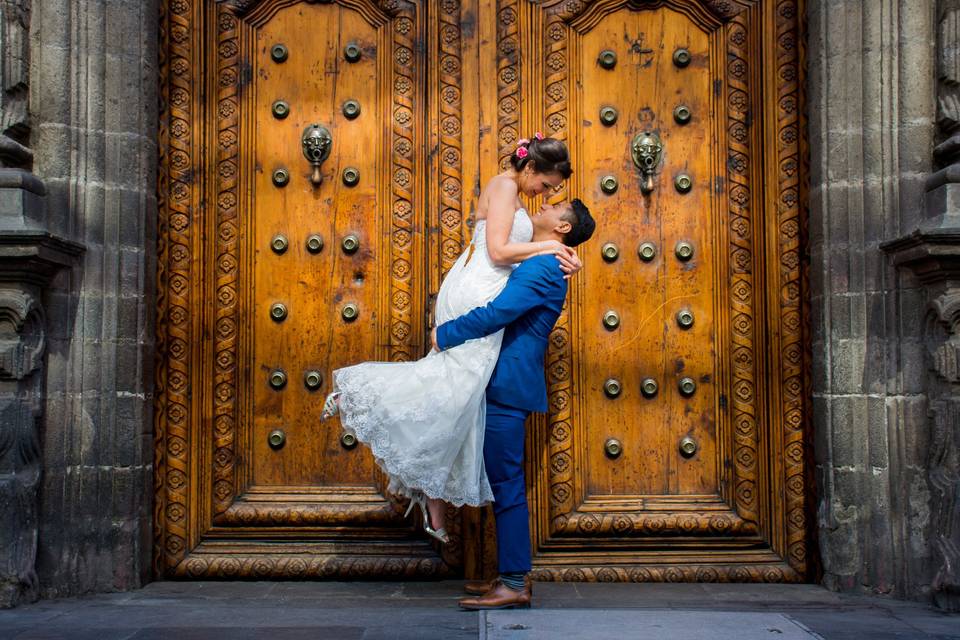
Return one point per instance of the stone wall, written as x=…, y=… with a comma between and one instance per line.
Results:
x=885, y=324
x=872, y=114
x=93, y=97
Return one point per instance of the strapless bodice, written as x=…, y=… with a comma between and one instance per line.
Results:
x=522, y=230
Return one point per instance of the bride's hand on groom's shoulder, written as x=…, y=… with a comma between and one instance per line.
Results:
x=570, y=262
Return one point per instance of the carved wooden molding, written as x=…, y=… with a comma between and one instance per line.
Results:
x=305, y=566
x=227, y=283
x=508, y=79
x=585, y=12
x=793, y=388
x=741, y=203
x=178, y=201
x=258, y=12
x=667, y=524
x=449, y=46
x=727, y=572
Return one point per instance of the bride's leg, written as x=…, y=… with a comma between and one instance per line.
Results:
x=438, y=511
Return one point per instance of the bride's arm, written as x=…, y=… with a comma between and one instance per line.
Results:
x=501, y=208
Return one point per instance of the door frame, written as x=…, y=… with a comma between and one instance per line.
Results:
x=778, y=61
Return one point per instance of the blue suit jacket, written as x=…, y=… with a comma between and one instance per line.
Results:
x=527, y=309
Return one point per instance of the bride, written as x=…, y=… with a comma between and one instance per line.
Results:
x=424, y=421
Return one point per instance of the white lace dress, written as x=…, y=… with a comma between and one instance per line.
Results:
x=424, y=420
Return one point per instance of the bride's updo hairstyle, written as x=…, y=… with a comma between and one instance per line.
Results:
x=548, y=155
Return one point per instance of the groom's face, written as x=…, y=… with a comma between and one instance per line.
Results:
x=551, y=218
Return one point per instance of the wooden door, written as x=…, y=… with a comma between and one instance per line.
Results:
x=674, y=449
x=272, y=273
x=278, y=268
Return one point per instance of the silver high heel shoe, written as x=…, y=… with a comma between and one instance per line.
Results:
x=419, y=498
x=330, y=406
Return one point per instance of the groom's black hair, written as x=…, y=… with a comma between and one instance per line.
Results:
x=581, y=222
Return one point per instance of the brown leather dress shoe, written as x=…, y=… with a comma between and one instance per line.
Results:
x=499, y=597
x=480, y=587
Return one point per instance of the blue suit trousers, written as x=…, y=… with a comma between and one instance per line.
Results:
x=503, y=459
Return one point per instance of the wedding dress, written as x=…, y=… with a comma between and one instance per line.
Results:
x=424, y=421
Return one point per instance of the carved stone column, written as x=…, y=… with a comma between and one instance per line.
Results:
x=14, y=69
x=932, y=252
x=29, y=257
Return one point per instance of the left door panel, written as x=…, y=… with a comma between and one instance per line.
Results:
x=289, y=136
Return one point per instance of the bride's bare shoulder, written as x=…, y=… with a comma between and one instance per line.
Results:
x=500, y=192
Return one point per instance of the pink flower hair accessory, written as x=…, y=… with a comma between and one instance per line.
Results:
x=522, y=152
x=538, y=135
x=523, y=141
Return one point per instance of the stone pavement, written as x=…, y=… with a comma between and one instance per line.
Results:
x=427, y=610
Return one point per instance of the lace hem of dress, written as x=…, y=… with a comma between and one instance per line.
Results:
x=359, y=401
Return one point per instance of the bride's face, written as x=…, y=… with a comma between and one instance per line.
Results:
x=533, y=183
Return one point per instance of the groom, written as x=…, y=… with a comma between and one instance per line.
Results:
x=527, y=309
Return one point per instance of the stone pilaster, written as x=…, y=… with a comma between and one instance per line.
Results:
x=871, y=114
x=931, y=251
x=93, y=89
x=29, y=257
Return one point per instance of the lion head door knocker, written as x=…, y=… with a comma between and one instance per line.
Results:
x=316, y=141
x=647, y=150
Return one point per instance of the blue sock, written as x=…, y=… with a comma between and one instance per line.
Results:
x=514, y=579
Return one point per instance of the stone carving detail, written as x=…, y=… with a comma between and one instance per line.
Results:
x=932, y=252
x=943, y=461
x=948, y=69
x=21, y=353
x=14, y=89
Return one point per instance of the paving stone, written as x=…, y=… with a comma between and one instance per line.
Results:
x=573, y=624
x=428, y=610
x=242, y=633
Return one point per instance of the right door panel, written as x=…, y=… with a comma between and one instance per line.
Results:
x=666, y=455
